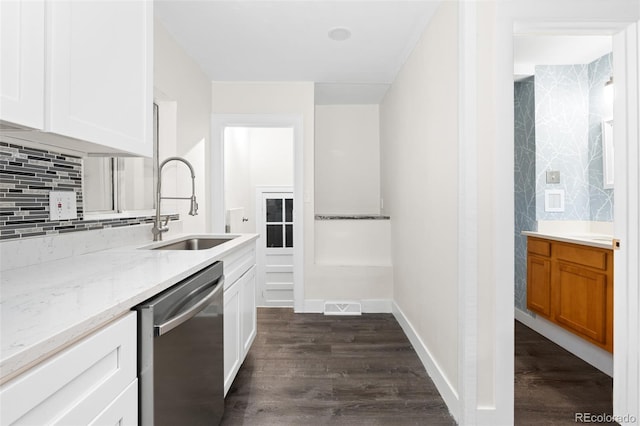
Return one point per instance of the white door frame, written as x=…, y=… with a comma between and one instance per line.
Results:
x=626, y=322
x=626, y=371
x=218, y=123
x=626, y=295
x=261, y=254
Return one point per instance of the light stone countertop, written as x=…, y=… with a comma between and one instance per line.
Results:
x=586, y=239
x=46, y=307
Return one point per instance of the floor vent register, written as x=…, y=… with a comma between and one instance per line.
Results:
x=342, y=308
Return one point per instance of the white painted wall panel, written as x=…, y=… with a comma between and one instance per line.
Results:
x=347, y=159
x=419, y=170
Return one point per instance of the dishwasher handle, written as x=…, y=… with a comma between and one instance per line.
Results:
x=169, y=325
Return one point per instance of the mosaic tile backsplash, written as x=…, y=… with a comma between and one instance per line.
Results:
x=26, y=177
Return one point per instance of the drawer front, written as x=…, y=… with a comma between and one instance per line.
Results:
x=582, y=255
x=539, y=247
x=237, y=263
x=74, y=386
x=123, y=411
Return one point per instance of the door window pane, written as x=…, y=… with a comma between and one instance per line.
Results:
x=274, y=210
x=288, y=210
x=274, y=235
x=288, y=235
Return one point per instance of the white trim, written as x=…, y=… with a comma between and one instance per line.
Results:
x=217, y=208
x=312, y=306
x=626, y=358
x=444, y=386
x=467, y=385
x=377, y=306
x=597, y=357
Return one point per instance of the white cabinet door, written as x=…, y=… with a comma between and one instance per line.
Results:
x=22, y=64
x=99, y=85
x=248, y=310
x=232, y=353
x=76, y=386
x=123, y=411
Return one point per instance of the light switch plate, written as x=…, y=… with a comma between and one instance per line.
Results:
x=62, y=205
x=553, y=177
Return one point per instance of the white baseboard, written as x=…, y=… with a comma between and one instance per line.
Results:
x=598, y=357
x=369, y=306
x=447, y=391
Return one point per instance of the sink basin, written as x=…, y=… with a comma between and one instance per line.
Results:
x=193, y=244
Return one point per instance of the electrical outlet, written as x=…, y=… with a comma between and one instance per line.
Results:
x=62, y=205
x=553, y=177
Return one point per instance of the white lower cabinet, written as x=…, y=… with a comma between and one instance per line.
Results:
x=239, y=311
x=91, y=382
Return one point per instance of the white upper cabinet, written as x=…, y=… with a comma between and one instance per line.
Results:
x=97, y=65
x=22, y=63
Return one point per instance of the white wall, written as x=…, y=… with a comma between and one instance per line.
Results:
x=181, y=85
x=255, y=156
x=321, y=282
x=419, y=175
x=347, y=159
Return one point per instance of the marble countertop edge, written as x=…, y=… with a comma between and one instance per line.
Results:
x=351, y=217
x=41, y=316
x=592, y=240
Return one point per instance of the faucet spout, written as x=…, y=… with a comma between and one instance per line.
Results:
x=158, y=227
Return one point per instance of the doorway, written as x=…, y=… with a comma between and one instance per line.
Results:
x=625, y=53
x=258, y=198
x=276, y=163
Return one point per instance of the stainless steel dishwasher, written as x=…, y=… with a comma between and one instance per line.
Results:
x=180, y=352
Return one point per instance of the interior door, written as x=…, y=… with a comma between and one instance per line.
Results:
x=275, y=255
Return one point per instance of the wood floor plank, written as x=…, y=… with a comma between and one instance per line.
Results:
x=552, y=385
x=312, y=369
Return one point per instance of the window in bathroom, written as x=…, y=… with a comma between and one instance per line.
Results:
x=120, y=185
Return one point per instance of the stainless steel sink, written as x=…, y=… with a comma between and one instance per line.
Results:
x=193, y=244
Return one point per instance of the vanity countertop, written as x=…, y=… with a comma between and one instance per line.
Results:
x=587, y=239
x=46, y=307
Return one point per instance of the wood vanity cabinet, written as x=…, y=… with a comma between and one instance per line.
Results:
x=571, y=285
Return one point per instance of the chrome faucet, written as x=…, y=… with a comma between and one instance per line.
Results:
x=158, y=226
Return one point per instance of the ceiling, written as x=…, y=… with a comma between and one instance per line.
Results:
x=288, y=41
x=532, y=50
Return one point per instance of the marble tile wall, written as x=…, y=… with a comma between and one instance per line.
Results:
x=562, y=138
x=558, y=116
x=601, y=199
x=525, y=181
x=569, y=112
x=26, y=177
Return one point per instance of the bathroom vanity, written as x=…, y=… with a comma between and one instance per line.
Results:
x=570, y=283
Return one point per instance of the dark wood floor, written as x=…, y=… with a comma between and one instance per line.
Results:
x=551, y=385
x=311, y=369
